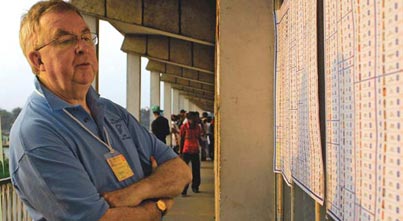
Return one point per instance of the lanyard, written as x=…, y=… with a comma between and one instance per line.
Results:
x=116, y=161
x=107, y=144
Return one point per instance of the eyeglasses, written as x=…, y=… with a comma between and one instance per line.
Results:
x=69, y=40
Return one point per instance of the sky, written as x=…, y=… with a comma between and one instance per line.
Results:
x=16, y=78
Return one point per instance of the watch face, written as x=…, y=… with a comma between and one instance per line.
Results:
x=161, y=205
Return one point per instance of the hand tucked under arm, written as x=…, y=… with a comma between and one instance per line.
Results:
x=167, y=181
x=146, y=211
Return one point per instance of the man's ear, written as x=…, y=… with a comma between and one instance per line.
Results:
x=36, y=60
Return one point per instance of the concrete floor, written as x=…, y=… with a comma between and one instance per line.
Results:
x=196, y=206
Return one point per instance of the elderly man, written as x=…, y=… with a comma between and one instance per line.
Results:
x=74, y=155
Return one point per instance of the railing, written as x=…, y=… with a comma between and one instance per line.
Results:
x=11, y=207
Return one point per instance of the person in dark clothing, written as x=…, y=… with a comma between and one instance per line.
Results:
x=159, y=126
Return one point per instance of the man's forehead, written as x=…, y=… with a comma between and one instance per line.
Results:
x=68, y=22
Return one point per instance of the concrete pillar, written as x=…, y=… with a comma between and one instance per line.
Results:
x=133, y=93
x=155, y=92
x=175, y=101
x=93, y=24
x=186, y=104
x=168, y=106
x=249, y=196
x=192, y=106
x=200, y=110
x=182, y=102
x=167, y=100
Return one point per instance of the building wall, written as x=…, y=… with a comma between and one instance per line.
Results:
x=244, y=109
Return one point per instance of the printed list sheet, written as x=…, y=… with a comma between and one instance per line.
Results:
x=364, y=123
x=298, y=149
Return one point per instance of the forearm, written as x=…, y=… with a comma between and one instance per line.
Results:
x=146, y=211
x=167, y=181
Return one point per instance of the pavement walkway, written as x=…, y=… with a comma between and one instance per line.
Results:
x=196, y=206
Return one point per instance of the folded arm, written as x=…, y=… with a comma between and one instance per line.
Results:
x=167, y=181
x=146, y=211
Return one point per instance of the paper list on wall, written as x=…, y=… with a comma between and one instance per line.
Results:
x=363, y=68
x=298, y=154
x=283, y=145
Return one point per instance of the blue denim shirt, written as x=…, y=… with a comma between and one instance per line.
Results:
x=59, y=169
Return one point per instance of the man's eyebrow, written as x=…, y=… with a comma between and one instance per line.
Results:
x=86, y=30
x=61, y=32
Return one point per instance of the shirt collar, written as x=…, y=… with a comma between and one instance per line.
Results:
x=56, y=103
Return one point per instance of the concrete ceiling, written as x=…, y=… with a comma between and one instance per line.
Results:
x=177, y=36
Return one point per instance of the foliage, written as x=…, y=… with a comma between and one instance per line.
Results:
x=4, y=170
x=8, y=118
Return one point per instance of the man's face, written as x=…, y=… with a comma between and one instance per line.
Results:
x=66, y=68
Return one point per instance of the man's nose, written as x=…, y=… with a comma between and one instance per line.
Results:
x=82, y=46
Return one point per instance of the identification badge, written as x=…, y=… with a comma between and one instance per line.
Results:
x=119, y=165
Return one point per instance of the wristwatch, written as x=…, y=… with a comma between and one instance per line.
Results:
x=162, y=207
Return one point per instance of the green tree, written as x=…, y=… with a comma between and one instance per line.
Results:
x=4, y=170
x=16, y=111
x=8, y=118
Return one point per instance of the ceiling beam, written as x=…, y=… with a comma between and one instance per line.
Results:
x=171, y=52
x=172, y=81
x=180, y=65
x=190, y=90
x=197, y=95
x=190, y=20
x=188, y=79
x=181, y=73
x=126, y=28
x=203, y=106
x=201, y=100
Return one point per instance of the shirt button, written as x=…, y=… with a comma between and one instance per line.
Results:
x=86, y=119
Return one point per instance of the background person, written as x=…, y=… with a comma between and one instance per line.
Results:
x=160, y=125
x=189, y=149
x=175, y=130
x=182, y=118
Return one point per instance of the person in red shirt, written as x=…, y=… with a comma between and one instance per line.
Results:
x=189, y=149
